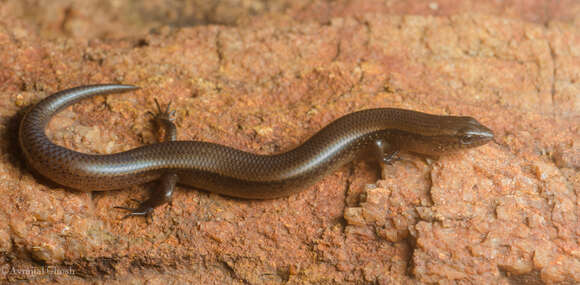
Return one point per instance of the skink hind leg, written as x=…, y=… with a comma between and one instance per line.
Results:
x=162, y=196
x=164, y=121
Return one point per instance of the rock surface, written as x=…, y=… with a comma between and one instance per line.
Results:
x=273, y=74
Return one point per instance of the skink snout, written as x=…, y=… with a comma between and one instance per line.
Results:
x=476, y=136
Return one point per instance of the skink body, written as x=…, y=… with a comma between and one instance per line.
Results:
x=374, y=133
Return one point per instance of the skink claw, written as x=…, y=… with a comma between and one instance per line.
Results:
x=391, y=157
x=136, y=201
x=143, y=210
x=161, y=114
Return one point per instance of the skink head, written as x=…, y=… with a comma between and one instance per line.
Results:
x=462, y=133
x=449, y=134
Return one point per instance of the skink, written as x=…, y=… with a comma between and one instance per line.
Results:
x=377, y=134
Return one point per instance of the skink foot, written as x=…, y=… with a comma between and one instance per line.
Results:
x=389, y=158
x=144, y=210
x=161, y=197
x=167, y=114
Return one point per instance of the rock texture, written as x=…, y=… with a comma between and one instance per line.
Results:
x=271, y=74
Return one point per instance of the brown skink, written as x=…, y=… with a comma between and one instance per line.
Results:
x=374, y=133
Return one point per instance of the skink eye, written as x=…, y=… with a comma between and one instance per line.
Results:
x=467, y=139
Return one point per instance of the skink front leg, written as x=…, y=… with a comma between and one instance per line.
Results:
x=385, y=153
x=164, y=122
